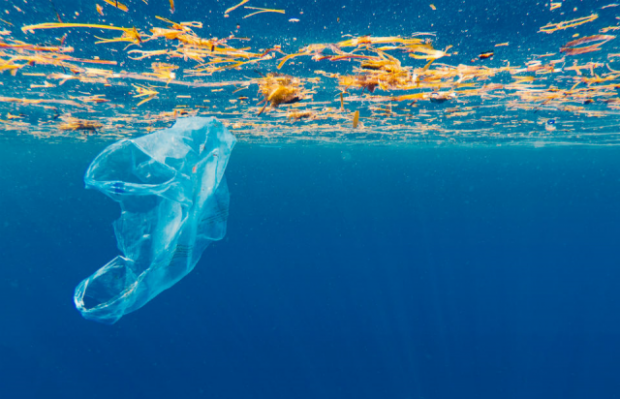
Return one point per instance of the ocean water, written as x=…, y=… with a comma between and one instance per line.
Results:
x=419, y=255
x=408, y=272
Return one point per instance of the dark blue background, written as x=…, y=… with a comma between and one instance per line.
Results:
x=347, y=272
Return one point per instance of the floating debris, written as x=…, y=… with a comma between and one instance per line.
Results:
x=71, y=123
x=576, y=46
x=407, y=86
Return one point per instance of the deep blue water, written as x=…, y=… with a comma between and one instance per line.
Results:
x=347, y=272
x=398, y=272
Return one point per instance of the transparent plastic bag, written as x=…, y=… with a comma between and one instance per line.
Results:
x=174, y=201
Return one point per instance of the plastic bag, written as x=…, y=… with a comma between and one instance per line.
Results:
x=174, y=201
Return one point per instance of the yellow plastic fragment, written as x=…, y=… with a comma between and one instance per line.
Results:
x=145, y=91
x=609, y=28
x=550, y=28
x=261, y=10
x=54, y=25
x=235, y=7
x=129, y=35
x=115, y=3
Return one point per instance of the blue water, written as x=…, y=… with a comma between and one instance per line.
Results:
x=400, y=271
x=347, y=272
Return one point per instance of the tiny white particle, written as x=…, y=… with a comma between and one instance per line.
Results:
x=293, y=20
